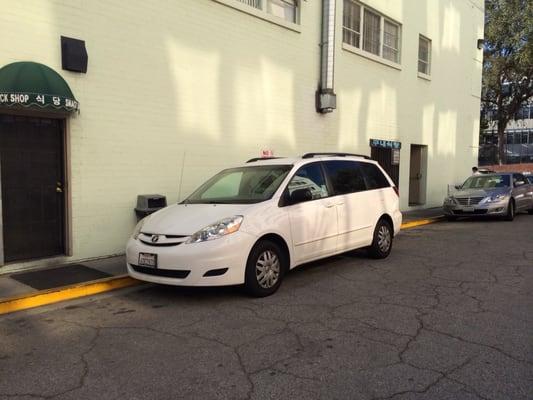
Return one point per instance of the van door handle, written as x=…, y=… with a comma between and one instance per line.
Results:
x=329, y=205
x=341, y=203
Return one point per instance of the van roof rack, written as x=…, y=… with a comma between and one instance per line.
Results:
x=261, y=159
x=311, y=155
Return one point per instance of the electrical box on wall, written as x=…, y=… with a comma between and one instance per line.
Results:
x=73, y=55
x=326, y=101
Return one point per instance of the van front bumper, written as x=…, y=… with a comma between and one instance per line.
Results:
x=218, y=262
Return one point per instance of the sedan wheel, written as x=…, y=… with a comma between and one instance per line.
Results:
x=510, y=211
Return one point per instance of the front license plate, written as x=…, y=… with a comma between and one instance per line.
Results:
x=468, y=209
x=148, y=260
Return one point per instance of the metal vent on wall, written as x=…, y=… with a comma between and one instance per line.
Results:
x=73, y=55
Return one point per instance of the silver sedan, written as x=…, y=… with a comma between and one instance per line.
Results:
x=502, y=195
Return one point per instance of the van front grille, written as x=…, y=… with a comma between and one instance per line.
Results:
x=157, y=240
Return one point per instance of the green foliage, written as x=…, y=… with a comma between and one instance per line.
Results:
x=508, y=60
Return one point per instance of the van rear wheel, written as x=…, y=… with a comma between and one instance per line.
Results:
x=382, y=242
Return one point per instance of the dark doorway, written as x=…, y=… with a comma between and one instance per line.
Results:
x=389, y=161
x=417, y=175
x=33, y=202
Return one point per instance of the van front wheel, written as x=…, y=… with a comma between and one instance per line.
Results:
x=382, y=242
x=265, y=269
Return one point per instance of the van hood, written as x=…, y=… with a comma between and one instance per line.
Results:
x=187, y=219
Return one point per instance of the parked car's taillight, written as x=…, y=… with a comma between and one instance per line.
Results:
x=396, y=190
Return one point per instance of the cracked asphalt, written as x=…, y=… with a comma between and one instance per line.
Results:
x=449, y=315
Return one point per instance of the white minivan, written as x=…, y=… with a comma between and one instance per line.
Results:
x=252, y=223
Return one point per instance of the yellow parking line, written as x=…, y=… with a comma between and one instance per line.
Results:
x=420, y=222
x=56, y=295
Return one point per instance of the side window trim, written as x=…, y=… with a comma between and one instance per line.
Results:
x=283, y=198
x=329, y=185
x=366, y=178
x=333, y=193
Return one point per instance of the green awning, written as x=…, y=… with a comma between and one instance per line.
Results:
x=33, y=85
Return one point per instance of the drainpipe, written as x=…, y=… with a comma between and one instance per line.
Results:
x=326, y=99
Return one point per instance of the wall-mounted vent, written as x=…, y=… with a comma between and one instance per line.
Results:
x=73, y=55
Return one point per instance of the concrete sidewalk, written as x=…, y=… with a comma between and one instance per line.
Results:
x=427, y=213
x=111, y=274
x=10, y=287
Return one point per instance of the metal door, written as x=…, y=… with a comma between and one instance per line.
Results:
x=33, y=202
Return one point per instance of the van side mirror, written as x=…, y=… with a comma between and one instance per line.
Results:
x=458, y=187
x=299, y=196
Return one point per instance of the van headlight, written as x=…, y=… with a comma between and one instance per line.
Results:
x=217, y=230
x=138, y=227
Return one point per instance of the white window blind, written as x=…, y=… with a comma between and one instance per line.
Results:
x=391, y=39
x=351, y=31
x=371, y=32
x=286, y=9
x=253, y=3
x=424, y=55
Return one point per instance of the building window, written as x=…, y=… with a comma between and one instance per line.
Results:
x=379, y=35
x=253, y=3
x=284, y=9
x=391, y=41
x=371, y=32
x=351, y=32
x=424, y=55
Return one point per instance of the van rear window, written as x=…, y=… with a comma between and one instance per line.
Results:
x=374, y=177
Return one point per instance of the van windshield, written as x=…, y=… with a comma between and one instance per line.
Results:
x=242, y=185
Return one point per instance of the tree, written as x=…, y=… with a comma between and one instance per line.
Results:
x=508, y=61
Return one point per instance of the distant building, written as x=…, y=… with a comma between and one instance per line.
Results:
x=174, y=91
x=518, y=144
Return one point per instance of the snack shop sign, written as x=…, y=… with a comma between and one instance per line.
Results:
x=38, y=100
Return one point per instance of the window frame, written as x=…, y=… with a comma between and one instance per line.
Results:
x=367, y=178
x=430, y=53
x=262, y=12
x=382, y=18
x=283, y=200
x=265, y=4
x=330, y=183
x=398, y=40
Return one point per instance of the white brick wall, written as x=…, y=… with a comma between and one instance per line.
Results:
x=198, y=84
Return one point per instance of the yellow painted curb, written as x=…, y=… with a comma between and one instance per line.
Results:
x=56, y=295
x=421, y=222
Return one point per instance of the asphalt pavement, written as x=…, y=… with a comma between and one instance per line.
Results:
x=447, y=316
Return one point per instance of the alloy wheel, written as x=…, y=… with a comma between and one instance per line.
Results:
x=267, y=269
x=384, y=238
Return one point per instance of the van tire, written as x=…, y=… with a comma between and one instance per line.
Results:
x=382, y=242
x=268, y=258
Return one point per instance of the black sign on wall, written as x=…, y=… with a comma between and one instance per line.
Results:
x=386, y=144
